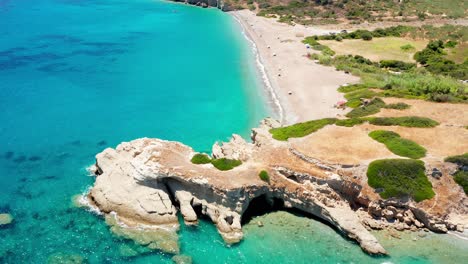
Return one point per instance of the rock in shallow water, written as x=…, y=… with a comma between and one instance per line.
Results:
x=65, y=258
x=5, y=219
x=162, y=238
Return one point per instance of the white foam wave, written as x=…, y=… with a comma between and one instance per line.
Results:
x=261, y=68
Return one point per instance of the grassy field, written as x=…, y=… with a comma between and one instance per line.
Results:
x=458, y=54
x=378, y=48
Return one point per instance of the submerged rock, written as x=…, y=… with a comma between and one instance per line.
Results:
x=66, y=258
x=182, y=259
x=5, y=219
x=156, y=237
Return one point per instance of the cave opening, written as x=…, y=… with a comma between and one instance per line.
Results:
x=261, y=205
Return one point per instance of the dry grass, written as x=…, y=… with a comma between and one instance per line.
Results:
x=458, y=54
x=378, y=48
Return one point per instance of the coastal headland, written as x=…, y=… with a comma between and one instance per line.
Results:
x=142, y=185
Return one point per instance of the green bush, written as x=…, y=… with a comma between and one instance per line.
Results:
x=349, y=122
x=399, y=146
x=264, y=176
x=200, y=158
x=372, y=108
x=300, y=129
x=406, y=121
x=224, y=164
x=366, y=36
x=400, y=178
x=351, y=88
x=397, y=65
x=354, y=97
x=461, y=160
x=461, y=177
x=399, y=106
x=407, y=47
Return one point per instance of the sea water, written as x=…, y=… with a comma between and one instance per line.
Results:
x=77, y=76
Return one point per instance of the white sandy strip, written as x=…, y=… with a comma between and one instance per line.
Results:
x=313, y=87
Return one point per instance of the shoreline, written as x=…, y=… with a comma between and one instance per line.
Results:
x=301, y=89
x=278, y=108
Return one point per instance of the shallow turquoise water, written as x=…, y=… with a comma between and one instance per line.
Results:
x=77, y=76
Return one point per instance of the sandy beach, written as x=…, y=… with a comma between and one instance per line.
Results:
x=305, y=90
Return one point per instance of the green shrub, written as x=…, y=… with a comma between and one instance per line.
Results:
x=451, y=44
x=300, y=129
x=355, y=96
x=397, y=65
x=366, y=36
x=399, y=106
x=407, y=47
x=397, y=145
x=349, y=122
x=372, y=108
x=200, y=158
x=406, y=121
x=264, y=176
x=461, y=160
x=351, y=88
x=461, y=177
x=224, y=164
x=400, y=178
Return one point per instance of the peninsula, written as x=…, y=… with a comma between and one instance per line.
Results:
x=388, y=157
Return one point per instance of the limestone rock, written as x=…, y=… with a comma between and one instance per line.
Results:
x=182, y=259
x=5, y=219
x=237, y=148
x=185, y=200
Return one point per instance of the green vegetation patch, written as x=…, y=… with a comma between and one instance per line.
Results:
x=349, y=122
x=264, y=176
x=398, y=106
x=434, y=59
x=461, y=160
x=200, y=158
x=221, y=164
x=406, y=121
x=372, y=108
x=399, y=146
x=224, y=164
x=461, y=177
x=399, y=178
x=303, y=129
x=300, y=129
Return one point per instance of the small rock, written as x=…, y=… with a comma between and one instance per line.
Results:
x=5, y=219
x=388, y=214
x=460, y=228
x=260, y=224
x=182, y=259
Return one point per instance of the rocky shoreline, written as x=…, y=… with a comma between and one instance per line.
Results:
x=143, y=184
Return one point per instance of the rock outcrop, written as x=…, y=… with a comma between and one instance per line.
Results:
x=221, y=4
x=5, y=219
x=142, y=184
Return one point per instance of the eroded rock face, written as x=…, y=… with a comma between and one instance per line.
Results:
x=142, y=184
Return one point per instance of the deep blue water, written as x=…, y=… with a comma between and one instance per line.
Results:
x=77, y=76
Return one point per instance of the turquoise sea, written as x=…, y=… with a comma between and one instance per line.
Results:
x=77, y=76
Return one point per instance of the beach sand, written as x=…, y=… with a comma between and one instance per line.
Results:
x=305, y=89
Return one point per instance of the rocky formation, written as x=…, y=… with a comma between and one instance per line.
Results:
x=221, y=4
x=142, y=184
x=5, y=219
